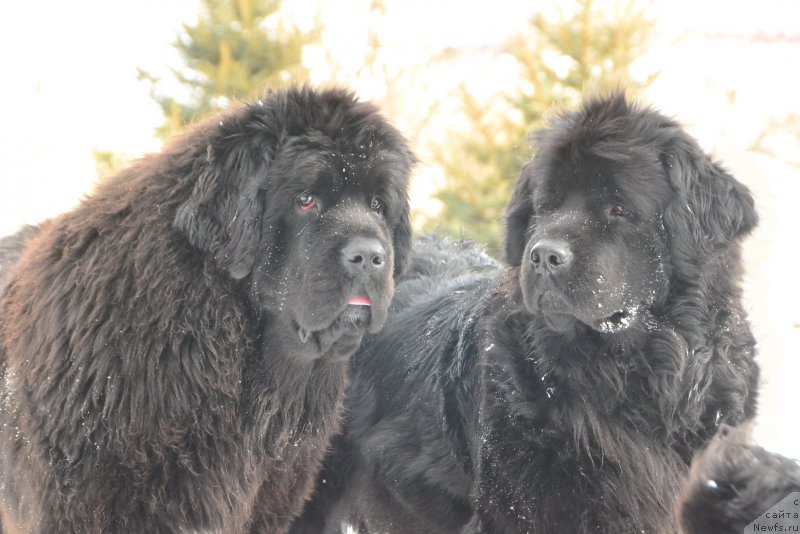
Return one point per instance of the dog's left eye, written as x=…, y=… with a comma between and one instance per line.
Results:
x=376, y=205
x=306, y=201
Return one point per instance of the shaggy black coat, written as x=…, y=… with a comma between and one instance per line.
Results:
x=174, y=350
x=733, y=482
x=568, y=391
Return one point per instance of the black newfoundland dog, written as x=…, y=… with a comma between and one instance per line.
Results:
x=175, y=349
x=569, y=391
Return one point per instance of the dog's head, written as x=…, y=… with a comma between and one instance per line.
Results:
x=617, y=205
x=304, y=195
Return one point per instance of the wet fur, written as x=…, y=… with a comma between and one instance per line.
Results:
x=153, y=375
x=496, y=402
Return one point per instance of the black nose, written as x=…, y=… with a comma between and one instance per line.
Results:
x=550, y=255
x=363, y=253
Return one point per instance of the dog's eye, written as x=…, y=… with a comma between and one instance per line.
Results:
x=306, y=201
x=376, y=205
x=619, y=211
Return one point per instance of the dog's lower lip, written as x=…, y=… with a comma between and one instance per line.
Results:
x=357, y=316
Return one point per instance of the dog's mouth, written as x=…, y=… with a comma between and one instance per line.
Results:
x=355, y=318
x=555, y=310
x=617, y=322
x=550, y=301
x=558, y=314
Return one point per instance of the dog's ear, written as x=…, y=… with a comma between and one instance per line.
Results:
x=518, y=217
x=222, y=215
x=712, y=207
x=401, y=239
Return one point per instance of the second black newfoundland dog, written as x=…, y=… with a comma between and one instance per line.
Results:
x=569, y=391
x=175, y=349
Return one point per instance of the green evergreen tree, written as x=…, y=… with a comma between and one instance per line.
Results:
x=234, y=50
x=586, y=50
x=107, y=162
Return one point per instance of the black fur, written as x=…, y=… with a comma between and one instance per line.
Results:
x=175, y=349
x=568, y=391
x=733, y=482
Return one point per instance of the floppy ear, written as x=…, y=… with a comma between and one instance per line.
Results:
x=712, y=207
x=518, y=217
x=222, y=215
x=401, y=238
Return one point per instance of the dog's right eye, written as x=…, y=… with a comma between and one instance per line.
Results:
x=306, y=201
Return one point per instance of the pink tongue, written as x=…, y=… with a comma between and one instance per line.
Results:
x=360, y=301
